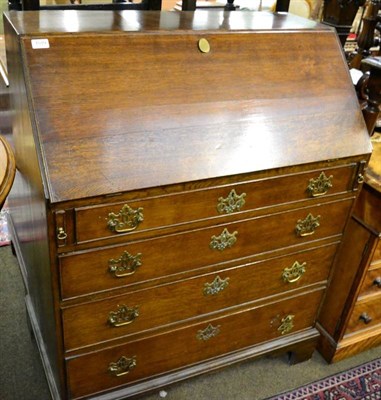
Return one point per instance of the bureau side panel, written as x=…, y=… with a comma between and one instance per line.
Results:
x=346, y=265
x=28, y=215
x=348, y=262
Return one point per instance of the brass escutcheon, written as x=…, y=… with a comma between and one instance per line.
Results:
x=209, y=332
x=123, y=366
x=287, y=324
x=223, y=241
x=125, y=265
x=232, y=203
x=126, y=220
x=204, y=45
x=123, y=316
x=294, y=273
x=320, y=186
x=217, y=286
x=307, y=226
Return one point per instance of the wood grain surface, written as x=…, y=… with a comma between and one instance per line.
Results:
x=141, y=104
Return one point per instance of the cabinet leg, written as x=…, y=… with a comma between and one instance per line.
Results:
x=301, y=353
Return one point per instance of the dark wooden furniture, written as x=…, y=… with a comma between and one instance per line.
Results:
x=190, y=5
x=186, y=5
x=340, y=15
x=350, y=321
x=368, y=90
x=7, y=169
x=27, y=5
x=183, y=215
x=366, y=38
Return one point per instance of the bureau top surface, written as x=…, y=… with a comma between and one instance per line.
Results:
x=70, y=21
x=126, y=100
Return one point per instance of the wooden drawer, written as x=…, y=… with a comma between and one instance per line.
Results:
x=366, y=314
x=372, y=282
x=93, y=271
x=170, y=351
x=135, y=312
x=158, y=212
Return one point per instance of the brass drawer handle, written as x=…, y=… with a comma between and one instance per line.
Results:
x=232, y=203
x=320, y=186
x=123, y=316
x=287, y=324
x=377, y=282
x=365, y=318
x=209, y=332
x=217, y=286
x=294, y=273
x=123, y=366
x=125, y=265
x=307, y=226
x=223, y=241
x=61, y=234
x=126, y=220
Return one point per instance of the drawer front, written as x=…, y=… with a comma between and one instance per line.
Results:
x=93, y=271
x=366, y=314
x=372, y=282
x=124, y=315
x=148, y=357
x=140, y=215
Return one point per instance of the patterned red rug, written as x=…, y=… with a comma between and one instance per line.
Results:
x=359, y=383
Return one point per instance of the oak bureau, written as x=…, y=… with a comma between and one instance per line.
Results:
x=183, y=183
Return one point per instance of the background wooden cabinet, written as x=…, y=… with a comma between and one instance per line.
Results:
x=350, y=320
